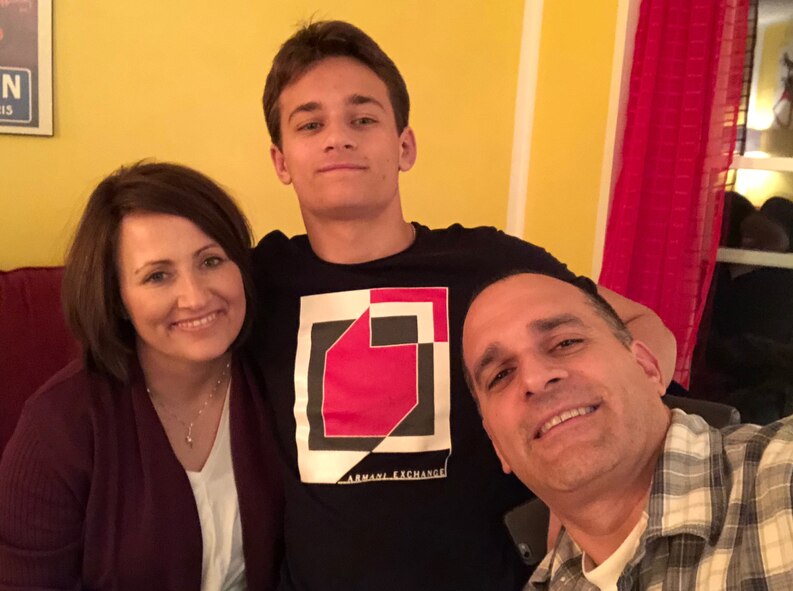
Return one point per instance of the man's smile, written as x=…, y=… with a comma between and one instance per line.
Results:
x=562, y=417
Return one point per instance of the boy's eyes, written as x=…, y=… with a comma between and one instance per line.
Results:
x=310, y=126
x=356, y=122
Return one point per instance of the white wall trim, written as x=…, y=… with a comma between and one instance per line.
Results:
x=742, y=256
x=774, y=163
x=45, y=67
x=621, y=63
x=524, y=116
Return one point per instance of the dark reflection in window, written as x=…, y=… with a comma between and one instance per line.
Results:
x=745, y=353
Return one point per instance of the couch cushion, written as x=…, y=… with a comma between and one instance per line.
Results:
x=34, y=341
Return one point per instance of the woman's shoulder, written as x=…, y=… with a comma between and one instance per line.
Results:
x=56, y=431
x=67, y=401
x=70, y=386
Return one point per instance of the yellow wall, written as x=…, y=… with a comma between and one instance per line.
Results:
x=576, y=53
x=182, y=81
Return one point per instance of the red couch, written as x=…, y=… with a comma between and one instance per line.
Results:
x=34, y=340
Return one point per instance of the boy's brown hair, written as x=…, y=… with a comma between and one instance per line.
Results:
x=313, y=43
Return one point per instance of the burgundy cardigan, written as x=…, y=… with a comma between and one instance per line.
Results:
x=92, y=495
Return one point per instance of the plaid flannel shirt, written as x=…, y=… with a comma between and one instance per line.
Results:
x=720, y=515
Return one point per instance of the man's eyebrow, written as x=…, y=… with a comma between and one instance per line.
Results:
x=490, y=355
x=542, y=325
x=308, y=107
x=363, y=99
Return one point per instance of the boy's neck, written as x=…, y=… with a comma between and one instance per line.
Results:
x=349, y=242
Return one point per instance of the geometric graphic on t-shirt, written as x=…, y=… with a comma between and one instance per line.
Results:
x=372, y=385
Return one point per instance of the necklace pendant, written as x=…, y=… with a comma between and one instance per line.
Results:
x=188, y=439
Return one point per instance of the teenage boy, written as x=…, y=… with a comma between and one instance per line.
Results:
x=391, y=481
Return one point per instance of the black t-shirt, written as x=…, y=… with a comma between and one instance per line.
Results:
x=391, y=481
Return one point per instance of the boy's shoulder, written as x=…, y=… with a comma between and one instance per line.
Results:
x=457, y=234
x=479, y=245
x=485, y=243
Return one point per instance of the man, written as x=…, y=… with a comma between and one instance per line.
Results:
x=359, y=344
x=648, y=498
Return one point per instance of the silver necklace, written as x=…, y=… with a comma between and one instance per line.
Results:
x=188, y=438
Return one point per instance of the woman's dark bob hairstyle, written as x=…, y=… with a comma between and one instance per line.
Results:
x=91, y=294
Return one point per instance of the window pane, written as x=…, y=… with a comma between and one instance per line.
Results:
x=760, y=185
x=744, y=355
x=770, y=118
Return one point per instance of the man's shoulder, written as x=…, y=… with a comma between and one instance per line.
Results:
x=744, y=433
x=767, y=446
x=742, y=442
x=760, y=504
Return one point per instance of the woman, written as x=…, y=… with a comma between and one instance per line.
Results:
x=151, y=463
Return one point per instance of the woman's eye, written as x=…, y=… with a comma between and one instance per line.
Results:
x=156, y=277
x=213, y=261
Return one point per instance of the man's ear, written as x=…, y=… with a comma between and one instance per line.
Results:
x=504, y=464
x=649, y=363
x=279, y=162
x=407, y=149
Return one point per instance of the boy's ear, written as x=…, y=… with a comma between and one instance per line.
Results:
x=407, y=149
x=279, y=162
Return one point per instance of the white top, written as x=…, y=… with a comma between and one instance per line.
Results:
x=605, y=575
x=215, y=491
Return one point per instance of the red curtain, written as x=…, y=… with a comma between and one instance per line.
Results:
x=663, y=228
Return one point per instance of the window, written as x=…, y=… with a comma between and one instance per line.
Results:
x=745, y=351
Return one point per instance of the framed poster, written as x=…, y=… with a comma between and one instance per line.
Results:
x=26, y=67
